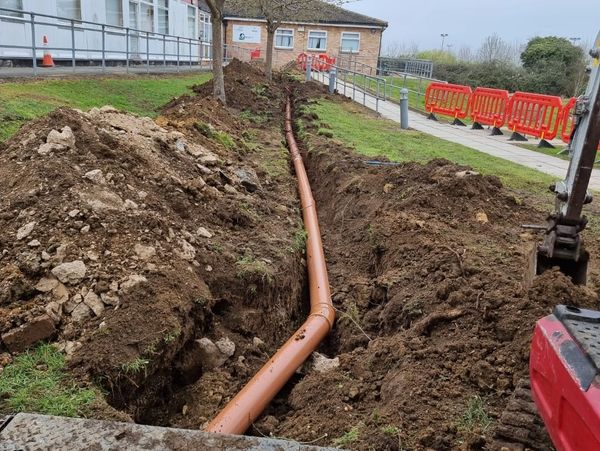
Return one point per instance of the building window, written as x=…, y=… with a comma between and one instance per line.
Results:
x=147, y=15
x=11, y=4
x=317, y=40
x=69, y=9
x=163, y=16
x=114, y=13
x=191, y=21
x=204, y=27
x=284, y=38
x=350, y=42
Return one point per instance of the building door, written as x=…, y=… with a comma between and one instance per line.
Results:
x=134, y=23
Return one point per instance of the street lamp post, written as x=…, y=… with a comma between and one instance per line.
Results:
x=443, y=35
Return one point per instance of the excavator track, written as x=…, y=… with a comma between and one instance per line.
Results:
x=520, y=427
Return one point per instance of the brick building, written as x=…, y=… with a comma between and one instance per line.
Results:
x=328, y=29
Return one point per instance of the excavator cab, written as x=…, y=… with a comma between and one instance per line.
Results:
x=565, y=352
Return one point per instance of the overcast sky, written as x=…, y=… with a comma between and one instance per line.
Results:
x=468, y=22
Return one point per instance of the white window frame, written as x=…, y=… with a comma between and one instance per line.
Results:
x=121, y=14
x=160, y=8
x=194, y=29
x=326, y=40
x=68, y=19
x=9, y=15
x=204, y=21
x=283, y=47
x=151, y=4
x=342, y=50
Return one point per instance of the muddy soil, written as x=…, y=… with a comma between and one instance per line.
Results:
x=152, y=252
x=426, y=265
x=185, y=271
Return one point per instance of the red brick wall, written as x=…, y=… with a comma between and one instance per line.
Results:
x=370, y=40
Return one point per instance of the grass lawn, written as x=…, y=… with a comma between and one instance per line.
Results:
x=37, y=381
x=416, y=88
x=23, y=101
x=380, y=137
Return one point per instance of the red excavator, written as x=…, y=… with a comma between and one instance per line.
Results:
x=565, y=351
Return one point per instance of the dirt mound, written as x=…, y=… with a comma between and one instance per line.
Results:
x=246, y=88
x=426, y=265
x=128, y=243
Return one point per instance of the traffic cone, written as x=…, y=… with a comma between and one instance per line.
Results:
x=47, y=61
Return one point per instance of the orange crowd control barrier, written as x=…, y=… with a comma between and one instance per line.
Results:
x=255, y=54
x=448, y=100
x=323, y=62
x=536, y=115
x=488, y=107
x=301, y=61
x=567, y=121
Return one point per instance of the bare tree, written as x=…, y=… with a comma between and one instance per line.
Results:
x=494, y=48
x=397, y=50
x=216, y=10
x=465, y=54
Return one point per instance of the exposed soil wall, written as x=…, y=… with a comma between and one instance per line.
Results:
x=183, y=246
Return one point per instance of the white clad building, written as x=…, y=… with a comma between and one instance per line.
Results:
x=155, y=30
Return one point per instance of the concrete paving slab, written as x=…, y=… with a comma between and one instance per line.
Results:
x=29, y=432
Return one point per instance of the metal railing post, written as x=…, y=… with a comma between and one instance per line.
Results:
x=73, y=60
x=164, y=43
x=377, y=98
x=147, y=52
x=308, y=74
x=365, y=90
x=103, y=48
x=127, y=50
x=177, y=54
x=190, y=53
x=404, y=109
x=33, y=47
x=332, y=80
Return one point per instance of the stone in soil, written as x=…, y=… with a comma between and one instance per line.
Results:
x=21, y=338
x=71, y=273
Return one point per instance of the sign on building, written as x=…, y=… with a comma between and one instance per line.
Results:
x=246, y=34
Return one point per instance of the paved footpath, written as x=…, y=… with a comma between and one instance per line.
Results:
x=474, y=139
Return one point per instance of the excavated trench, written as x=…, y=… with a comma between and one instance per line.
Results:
x=425, y=265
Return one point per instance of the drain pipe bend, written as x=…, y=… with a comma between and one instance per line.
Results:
x=250, y=402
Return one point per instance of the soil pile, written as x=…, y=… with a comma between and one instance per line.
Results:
x=426, y=265
x=152, y=254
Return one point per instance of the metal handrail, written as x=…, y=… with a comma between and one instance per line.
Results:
x=195, y=47
x=343, y=74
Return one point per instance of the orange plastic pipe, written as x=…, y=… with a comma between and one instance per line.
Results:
x=250, y=402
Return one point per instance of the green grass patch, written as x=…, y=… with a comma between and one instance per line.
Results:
x=348, y=438
x=137, y=365
x=253, y=117
x=143, y=95
x=392, y=86
x=37, y=382
x=251, y=269
x=299, y=240
x=380, y=137
x=219, y=136
x=475, y=416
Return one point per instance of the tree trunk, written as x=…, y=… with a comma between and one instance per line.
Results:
x=216, y=9
x=269, y=60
